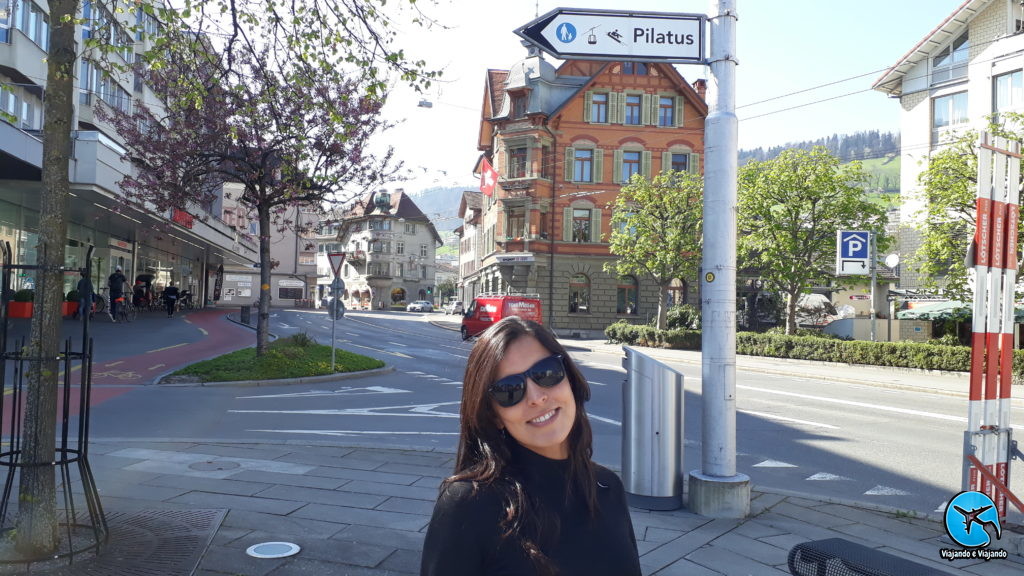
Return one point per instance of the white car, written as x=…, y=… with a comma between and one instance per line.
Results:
x=420, y=306
x=454, y=307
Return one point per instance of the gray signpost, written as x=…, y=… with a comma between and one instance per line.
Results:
x=716, y=489
x=336, y=259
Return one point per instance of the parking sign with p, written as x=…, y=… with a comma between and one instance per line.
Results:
x=853, y=253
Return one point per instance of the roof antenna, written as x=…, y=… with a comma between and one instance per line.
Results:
x=536, y=9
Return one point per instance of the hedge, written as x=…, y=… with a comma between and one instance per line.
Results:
x=897, y=354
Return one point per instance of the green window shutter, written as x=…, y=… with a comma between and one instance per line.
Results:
x=677, y=111
x=567, y=224
x=598, y=168
x=666, y=161
x=617, y=168
x=646, y=117
x=588, y=105
x=693, y=164
x=620, y=108
x=613, y=107
x=570, y=157
x=595, y=225
x=645, y=164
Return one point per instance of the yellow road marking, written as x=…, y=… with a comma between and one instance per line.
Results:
x=157, y=366
x=168, y=347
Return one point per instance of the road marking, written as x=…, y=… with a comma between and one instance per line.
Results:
x=603, y=419
x=596, y=383
x=168, y=347
x=283, y=325
x=774, y=464
x=397, y=344
x=399, y=354
x=357, y=432
x=826, y=477
x=785, y=419
x=878, y=407
x=616, y=368
x=421, y=410
x=458, y=355
x=113, y=364
x=351, y=334
x=339, y=392
x=886, y=491
x=205, y=333
x=157, y=366
x=119, y=375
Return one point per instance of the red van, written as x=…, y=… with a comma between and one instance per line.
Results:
x=486, y=309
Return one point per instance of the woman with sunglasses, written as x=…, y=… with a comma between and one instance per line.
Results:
x=526, y=498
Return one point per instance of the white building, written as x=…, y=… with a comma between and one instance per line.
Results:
x=963, y=71
x=190, y=245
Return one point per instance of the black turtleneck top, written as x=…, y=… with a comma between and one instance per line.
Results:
x=465, y=537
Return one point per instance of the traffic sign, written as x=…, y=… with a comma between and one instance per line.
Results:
x=336, y=259
x=618, y=35
x=853, y=253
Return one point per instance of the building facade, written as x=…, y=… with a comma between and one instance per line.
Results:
x=966, y=69
x=190, y=245
x=564, y=141
x=390, y=248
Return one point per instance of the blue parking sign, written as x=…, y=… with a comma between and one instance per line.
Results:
x=854, y=244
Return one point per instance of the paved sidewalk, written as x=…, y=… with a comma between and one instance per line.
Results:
x=362, y=510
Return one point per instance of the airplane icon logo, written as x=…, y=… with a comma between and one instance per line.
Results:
x=966, y=510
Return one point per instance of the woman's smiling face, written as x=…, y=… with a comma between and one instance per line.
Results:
x=542, y=420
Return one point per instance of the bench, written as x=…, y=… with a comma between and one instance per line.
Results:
x=839, y=557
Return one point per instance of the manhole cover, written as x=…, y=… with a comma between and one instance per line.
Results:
x=273, y=550
x=214, y=465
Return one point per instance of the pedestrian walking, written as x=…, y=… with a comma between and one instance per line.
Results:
x=526, y=498
x=116, y=285
x=171, y=298
x=85, y=292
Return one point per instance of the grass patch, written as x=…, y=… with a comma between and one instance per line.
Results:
x=297, y=356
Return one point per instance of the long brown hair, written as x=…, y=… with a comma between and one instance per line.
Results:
x=483, y=453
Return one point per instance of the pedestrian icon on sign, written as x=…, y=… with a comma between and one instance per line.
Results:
x=566, y=32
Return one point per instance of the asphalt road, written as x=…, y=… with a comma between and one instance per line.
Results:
x=854, y=442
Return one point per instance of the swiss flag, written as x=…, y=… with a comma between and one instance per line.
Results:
x=488, y=178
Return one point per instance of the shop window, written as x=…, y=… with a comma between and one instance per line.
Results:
x=579, y=294
x=626, y=295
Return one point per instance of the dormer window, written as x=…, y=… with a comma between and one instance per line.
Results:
x=519, y=106
x=951, y=62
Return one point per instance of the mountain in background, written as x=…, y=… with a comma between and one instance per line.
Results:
x=879, y=153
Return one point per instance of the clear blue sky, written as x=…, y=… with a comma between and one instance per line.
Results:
x=783, y=47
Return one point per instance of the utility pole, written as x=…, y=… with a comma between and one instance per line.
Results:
x=716, y=490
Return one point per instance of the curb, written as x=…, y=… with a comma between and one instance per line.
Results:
x=283, y=381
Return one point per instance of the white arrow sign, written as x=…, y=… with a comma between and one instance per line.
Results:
x=618, y=35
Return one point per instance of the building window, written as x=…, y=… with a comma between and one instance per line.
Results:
x=951, y=63
x=948, y=112
x=580, y=225
x=599, y=108
x=626, y=295
x=579, y=294
x=410, y=228
x=634, y=68
x=1008, y=92
x=632, y=109
x=307, y=258
x=423, y=250
x=583, y=166
x=515, y=220
x=630, y=165
x=423, y=272
x=517, y=162
x=519, y=106
x=666, y=111
x=681, y=162
x=399, y=247
x=546, y=162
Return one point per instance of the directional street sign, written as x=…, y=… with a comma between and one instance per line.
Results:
x=853, y=257
x=618, y=35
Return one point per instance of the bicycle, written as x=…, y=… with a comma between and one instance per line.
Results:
x=126, y=311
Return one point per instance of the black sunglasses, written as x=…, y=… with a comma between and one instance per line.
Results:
x=511, y=389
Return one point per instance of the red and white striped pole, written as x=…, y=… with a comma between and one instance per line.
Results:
x=993, y=323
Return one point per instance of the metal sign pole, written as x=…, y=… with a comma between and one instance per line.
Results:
x=874, y=280
x=334, y=319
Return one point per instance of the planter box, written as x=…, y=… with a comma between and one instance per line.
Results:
x=68, y=308
x=19, y=309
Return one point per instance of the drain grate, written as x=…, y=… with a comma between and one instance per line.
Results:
x=148, y=543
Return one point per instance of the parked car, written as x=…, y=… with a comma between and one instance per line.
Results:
x=486, y=309
x=454, y=307
x=420, y=306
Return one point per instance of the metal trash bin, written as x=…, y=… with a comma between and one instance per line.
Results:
x=246, y=315
x=652, y=432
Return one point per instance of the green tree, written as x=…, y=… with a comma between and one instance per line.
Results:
x=656, y=230
x=790, y=209
x=947, y=222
